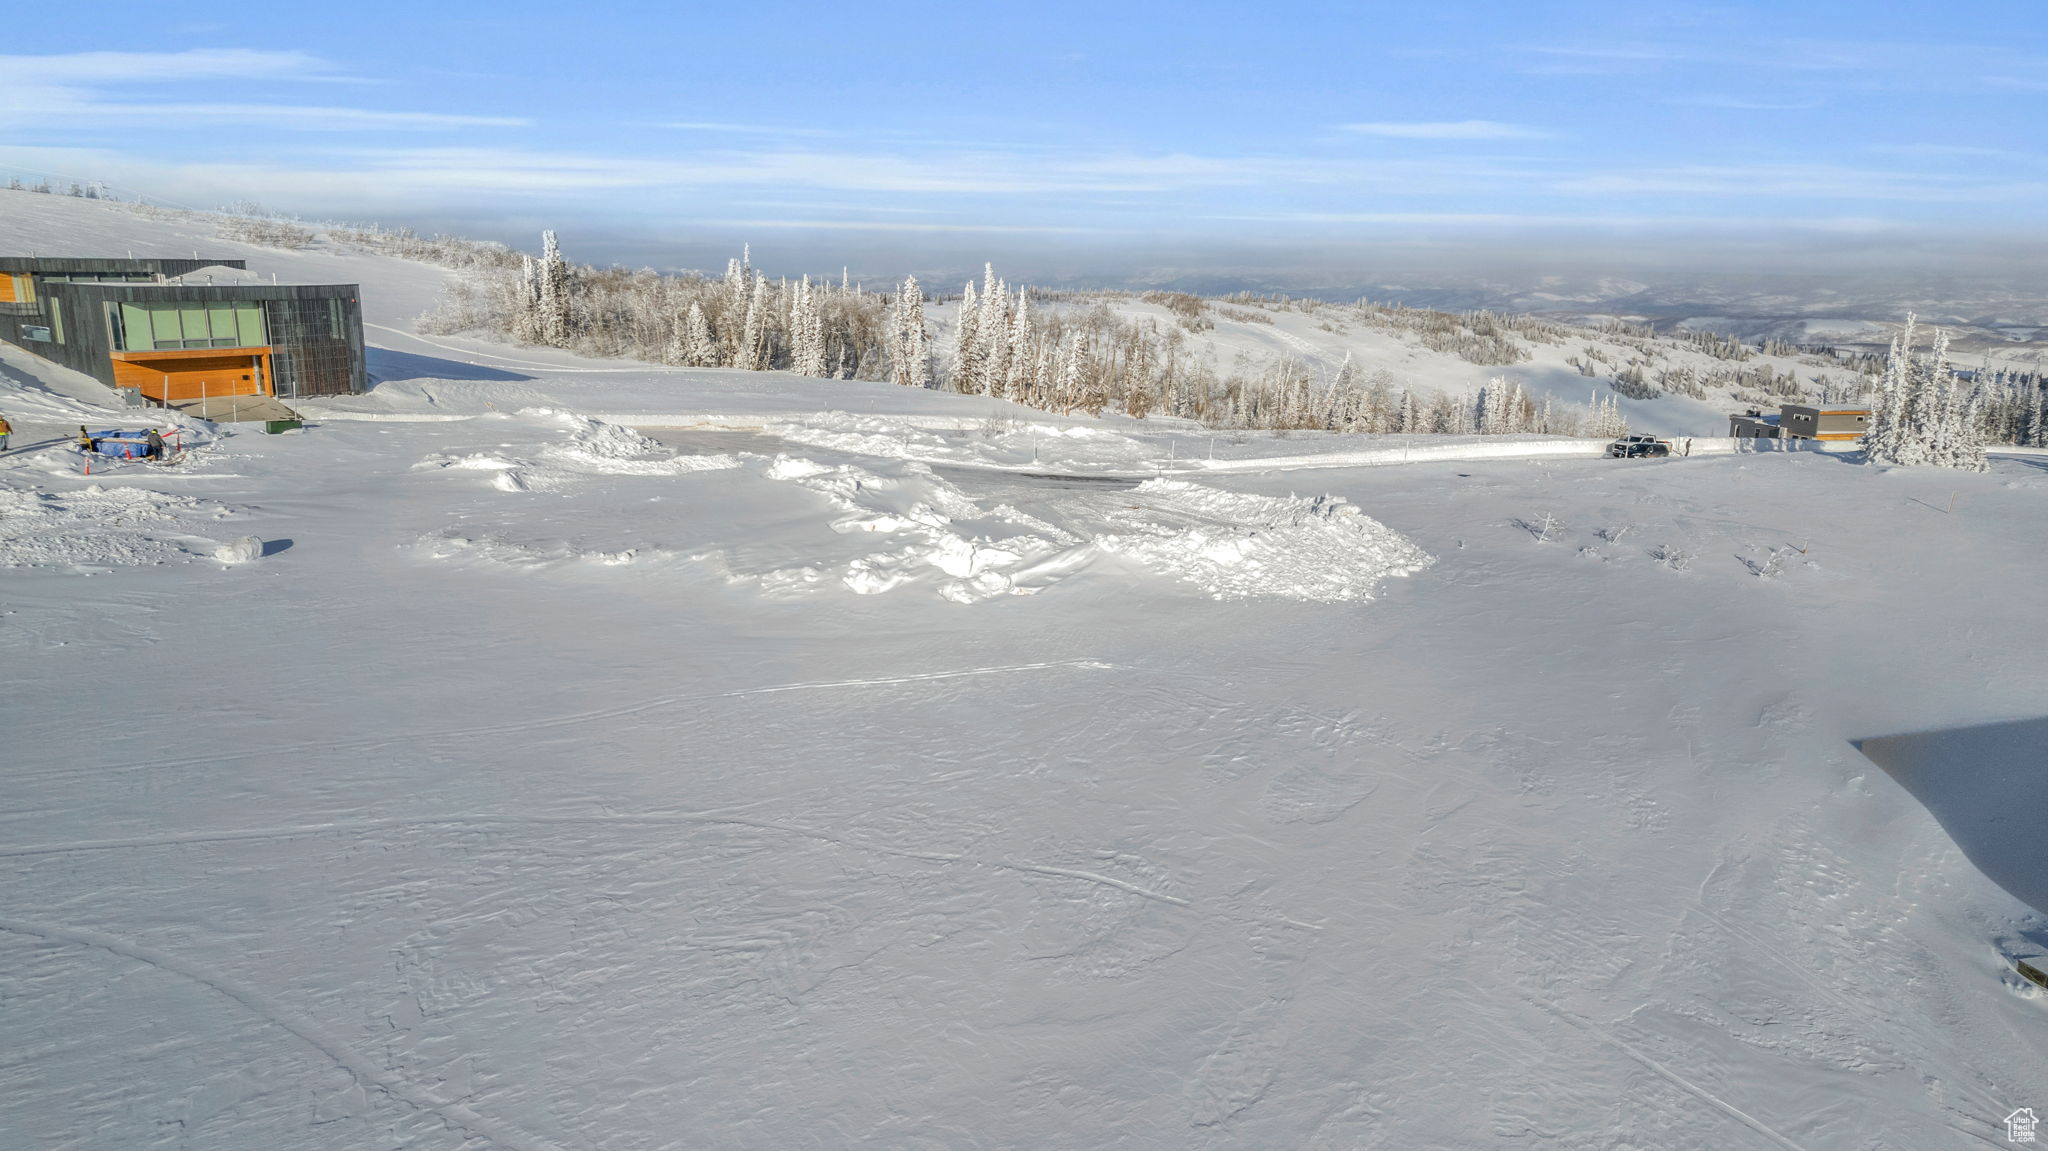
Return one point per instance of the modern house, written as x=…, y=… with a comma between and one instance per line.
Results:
x=165, y=330
x=1802, y=422
x=1753, y=425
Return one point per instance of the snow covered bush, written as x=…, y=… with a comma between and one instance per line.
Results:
x=1543, y=528
x=268, y=233
x=1772, y=565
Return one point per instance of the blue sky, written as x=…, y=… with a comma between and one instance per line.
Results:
x=1190, y=128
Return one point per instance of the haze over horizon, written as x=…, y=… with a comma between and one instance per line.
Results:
x=1083, y=143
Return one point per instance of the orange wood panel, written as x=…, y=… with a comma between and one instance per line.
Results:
x=194, y=374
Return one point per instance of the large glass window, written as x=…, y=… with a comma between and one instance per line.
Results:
x=155, y=327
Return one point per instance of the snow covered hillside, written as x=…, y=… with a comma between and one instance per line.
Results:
x=548, y=753
x=1566, y=364
x=1682, y=383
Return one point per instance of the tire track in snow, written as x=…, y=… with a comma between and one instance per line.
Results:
x=1673, y=1077
x=1090, y=877
x=669, y=819
x=319, y=1038
x=1876, y=1022
x=597, y=716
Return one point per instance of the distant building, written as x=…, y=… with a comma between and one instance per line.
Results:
x=1753, y=425
x=135, y=324
x=1801, y=422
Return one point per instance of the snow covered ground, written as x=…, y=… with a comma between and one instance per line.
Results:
x=929, y=775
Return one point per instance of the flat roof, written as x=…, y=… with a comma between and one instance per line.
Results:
x=238, y=290
x=111, y=265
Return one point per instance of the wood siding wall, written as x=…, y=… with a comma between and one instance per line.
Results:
x=196, y=374
x=304, y=366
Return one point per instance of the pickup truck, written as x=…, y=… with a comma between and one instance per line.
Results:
x=1637, y=447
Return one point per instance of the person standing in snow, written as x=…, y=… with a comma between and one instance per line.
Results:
x=6, y=429
x=156, y=445
x=85, y=443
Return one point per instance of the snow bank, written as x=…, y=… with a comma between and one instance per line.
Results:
x=248, y=549
x=1323, y=549
x=499, y=549
x=1230, y=546
x=1501, y=449
x=592, y=448
x=931, y=532
x=100, y=527
x=893, y=523
x=598, y=448
x=998, y=444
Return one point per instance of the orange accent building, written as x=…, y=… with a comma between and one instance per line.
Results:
x=194, y=373
x=147, y=327
x=1802, y=422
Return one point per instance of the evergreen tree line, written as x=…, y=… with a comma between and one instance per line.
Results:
x=2012, y=402
x=1921, y=412
x=1475, y=337
x=1066, y=359
x=743, y=320
x=1093, y=359
x=1640, y=379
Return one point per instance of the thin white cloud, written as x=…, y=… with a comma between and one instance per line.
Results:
x=956, y=173
x=741, y=129
x=1801, y=182
x=1466, y=219
x=310, y=118
x=899, y=226
x=72, y=91
x=1013, y=191
x=1948, y=153
x=1109, y=178
x=1627, y=53
x=1895, y=65
x=1743, y=104
x=94, y=68
x=1445, y=130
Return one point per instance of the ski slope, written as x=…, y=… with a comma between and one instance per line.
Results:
x=879, y=768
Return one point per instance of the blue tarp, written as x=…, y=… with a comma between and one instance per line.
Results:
x=121, y=444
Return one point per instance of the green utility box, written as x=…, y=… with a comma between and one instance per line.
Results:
x=276, y=426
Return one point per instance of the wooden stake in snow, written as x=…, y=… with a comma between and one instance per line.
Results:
x=2031, y=973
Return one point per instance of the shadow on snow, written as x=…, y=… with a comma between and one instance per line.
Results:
x=389, y=367
x=1988, y=788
